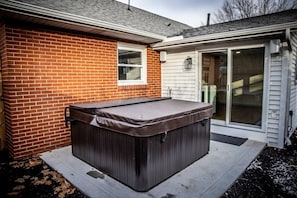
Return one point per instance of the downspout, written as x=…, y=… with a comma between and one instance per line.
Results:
x=289, y=114
x=288, y=39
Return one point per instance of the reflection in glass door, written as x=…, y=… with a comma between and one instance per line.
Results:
x=247, y=86
x=214, y=82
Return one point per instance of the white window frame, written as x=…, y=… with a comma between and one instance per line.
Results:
x=143, y=66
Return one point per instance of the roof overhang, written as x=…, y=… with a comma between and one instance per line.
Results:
x=39, y=15
x=250, y=33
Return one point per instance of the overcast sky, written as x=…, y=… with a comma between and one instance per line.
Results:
x=191, y=12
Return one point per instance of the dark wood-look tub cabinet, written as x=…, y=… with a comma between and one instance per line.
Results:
x=140, y=142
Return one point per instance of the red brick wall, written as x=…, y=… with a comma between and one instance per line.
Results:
x=3, y=62
x=46, y=71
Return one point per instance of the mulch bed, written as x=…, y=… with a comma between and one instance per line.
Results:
x=272, y=174
x=33, y=178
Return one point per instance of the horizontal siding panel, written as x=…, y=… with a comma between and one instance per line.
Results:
x=274, y=93
x=273, y=133
x=176, y=80
x=176, y=61
x=174, y=76
x=170, y=80
x=273, y=121
x=275, y=73
x=274, y=106
x=276, y=68
x=275, y=64
x=275, y=87
x=276, y=60
x=275, y=77
x=274, y=102
x=272, y=136
x=275, y=83
x=181, y=82
x=275, y=97
x=180, y=90
x=184, y=80
x=273, y=130
x=273, y=139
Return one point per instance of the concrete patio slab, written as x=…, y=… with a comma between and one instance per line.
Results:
x=208, y=177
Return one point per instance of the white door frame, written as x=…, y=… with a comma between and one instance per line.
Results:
x=227, y=122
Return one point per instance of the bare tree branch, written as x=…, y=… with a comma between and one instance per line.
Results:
x=238, y=9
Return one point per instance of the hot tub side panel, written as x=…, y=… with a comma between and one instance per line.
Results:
x=83, y=141
x=115, y=155
x=140, y=162
x=168, y=155
x=110, y=152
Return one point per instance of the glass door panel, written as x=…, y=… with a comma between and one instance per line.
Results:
x=247, y=86
x=214, y=82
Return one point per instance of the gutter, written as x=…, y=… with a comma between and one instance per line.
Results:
x=225, y=36
x=50, y=14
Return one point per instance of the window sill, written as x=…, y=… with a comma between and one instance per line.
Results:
x=133, y=87
x=123, y=83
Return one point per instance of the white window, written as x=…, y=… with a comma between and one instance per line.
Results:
x=131, y=64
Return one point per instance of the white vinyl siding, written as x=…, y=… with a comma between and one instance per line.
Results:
x=178, y=82
x=282, y=96
x=274, y=102
x=274, y=99
x=278, y=118
x=293, y=96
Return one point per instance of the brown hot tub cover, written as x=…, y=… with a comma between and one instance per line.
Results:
x=151, y=118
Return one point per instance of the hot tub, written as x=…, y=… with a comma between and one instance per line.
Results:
x=140, y=142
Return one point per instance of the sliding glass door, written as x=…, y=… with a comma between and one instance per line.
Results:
x=232, y=80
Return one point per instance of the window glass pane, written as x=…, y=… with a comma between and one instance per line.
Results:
x=247, y=86
x=129, y=73
x=129, y=57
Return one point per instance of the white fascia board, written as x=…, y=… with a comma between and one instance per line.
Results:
x=29, y=9
x=230, y=35
x=175, y=38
